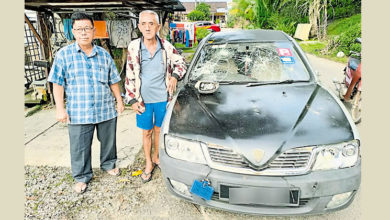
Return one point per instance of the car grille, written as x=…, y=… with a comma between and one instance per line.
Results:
x=291, y=159
x=298, y=158
x=226, y=156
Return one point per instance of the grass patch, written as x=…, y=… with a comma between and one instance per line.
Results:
x=341, y=34
x=125, y=172
x=339, y=26
x=184, y=48
x=188, y=52
x=316, y=48
x=313, y=47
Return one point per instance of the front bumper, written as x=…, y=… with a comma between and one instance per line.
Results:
x=316, y=189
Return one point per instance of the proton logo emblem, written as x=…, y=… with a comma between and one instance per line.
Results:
x=258, y=154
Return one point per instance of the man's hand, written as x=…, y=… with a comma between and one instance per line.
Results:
x=62, y=115
x=172, y=85
x=137, y=108
x=120, y=107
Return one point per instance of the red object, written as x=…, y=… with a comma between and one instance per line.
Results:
x=208, y=25
x=353, y=77
x=179, y=25
x=284, y=52
x=215, y=27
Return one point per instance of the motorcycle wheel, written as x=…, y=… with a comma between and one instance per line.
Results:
x=356, y=108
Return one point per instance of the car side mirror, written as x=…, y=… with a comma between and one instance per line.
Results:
x=205, y=87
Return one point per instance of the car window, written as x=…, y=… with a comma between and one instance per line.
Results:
x=258, y=62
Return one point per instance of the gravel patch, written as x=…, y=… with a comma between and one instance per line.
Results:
x=49, y=195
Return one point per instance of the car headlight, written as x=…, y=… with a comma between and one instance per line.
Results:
x=337, y=156
x=184, y=149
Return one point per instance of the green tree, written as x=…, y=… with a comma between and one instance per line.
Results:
x=196, y=15
x=205, y=8
x=243, y=13
x=263, y=12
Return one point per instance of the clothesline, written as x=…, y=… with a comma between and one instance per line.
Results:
x=183, y=32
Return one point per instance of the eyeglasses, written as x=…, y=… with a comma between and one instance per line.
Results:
x=86, y=29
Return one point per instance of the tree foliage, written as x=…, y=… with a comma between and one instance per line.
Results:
x=196, y=15
x=286, y=14
x=205, y=8
x=201, y=33
x=201, y=12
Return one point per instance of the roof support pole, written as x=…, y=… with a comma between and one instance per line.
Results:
x=33, y=29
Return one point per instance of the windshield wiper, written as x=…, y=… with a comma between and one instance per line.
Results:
x=289, y=81
x=228, y=82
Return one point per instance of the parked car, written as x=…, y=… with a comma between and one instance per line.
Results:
x=208, y=25
x=251, y=130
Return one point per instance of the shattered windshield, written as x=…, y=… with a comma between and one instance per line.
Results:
x=249, y=62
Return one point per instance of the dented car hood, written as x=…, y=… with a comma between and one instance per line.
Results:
x=272, y=118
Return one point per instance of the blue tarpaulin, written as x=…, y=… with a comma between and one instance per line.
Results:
x=68, y=28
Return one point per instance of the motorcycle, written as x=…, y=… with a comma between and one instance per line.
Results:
x=349, y=91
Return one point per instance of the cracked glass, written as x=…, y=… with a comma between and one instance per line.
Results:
x=249, y=62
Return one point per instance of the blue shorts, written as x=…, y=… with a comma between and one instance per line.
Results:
x=145, y=120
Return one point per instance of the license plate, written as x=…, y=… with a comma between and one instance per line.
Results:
x=272, y=196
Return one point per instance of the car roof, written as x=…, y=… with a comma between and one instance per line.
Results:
x=248, y=35
x=201, y=22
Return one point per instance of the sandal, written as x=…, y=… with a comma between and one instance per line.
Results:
x=156, y=164
x=147, y=174
x=80, y=187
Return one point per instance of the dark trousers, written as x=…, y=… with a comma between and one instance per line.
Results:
x=81, y=136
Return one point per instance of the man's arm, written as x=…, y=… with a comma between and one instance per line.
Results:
x=179, y=69
x=130, y=87
x=61, y=114
x=117, y=94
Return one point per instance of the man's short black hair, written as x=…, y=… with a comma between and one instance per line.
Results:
x=81, y=16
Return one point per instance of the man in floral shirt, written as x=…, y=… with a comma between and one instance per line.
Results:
x=153, y=68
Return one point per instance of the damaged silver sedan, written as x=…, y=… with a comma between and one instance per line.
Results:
x=252, y=131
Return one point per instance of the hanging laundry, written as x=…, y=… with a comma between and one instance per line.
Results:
x=119, y=32
x=181, y=35
x=177, y=36
x=101, y=29
x=68, y=28
x=192, y=32
x=187, y=38
x=173, y=35
x=190, y=28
